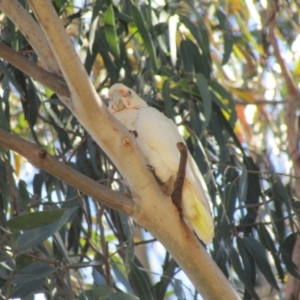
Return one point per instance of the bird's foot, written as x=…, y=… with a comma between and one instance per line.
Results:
x=178, y=185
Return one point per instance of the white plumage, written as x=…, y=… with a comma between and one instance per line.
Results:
x=157, y=137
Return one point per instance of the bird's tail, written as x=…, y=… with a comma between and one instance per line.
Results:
x=198, y=215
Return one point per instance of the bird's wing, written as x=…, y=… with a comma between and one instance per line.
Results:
x=158, y=133
x=157, y=138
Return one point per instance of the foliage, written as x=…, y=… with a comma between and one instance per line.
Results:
x=194, y=61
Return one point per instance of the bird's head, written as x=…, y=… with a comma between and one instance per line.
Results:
x=121, y=97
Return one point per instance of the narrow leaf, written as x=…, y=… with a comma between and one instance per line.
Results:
x=169, y=110
x=249, y=265
x=287, y=255
x=206, y=100
x=281, y=194
x=259, y=255
x=269, y=243
x=227, y=35
x=33, y=237
x=236, y=263
x=32, y=272
x=186, y=58
x=35, y=219
x=144, y=32
x=225, y=101
x=140, y=280
x=122, y=296
x=111, y=32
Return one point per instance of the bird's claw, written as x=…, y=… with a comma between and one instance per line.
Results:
x=134, y=132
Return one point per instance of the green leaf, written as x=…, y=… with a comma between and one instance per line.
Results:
x=265, y=238
x=269, y=244
x=280, y=193
x=23, y=290
x=38, y=181
x=193, y=29
x=100, y=46
x=144, y=32
x=11, y=78
x=24, y=195
x=95, y=156
x=242, y=185
x=4, y=124
x=206, y=100
x=103, y=292
x=111, y=32
x=97, y=8
x=200, y=63
x=160, y=288
x=253, y=193
x=243, y=276
x=169, y=110
x=33, y=237
x=122, y=296
x=121, y=275
x=249, y=265
x=259, y=255
x=227, y=34
x=226, y=212
x=35, y=219
x=225, y=101
x=216, y=130
x=186, y=58
x=220, y=255
x=32, y=272
x=195, y=122
x=140, y=280
x=287, y=255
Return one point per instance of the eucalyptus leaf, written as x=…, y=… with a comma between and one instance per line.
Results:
x=144, y=32
x=110, y=31
x=140, y=280
x=33, y=237
x=32, y=272
x=227, y=34
x=206, y=100
x=35, y=219
x=259, y=255
x=166, y=93
x=287, y=250
x=235, y=260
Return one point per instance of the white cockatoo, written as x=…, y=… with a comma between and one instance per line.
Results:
x=157, y=137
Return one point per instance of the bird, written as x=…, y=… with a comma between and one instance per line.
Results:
x=157, y=137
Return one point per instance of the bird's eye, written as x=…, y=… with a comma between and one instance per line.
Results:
x=129, y=94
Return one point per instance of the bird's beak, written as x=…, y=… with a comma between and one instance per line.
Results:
x=117, y=101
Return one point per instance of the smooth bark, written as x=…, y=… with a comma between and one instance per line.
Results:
x=152, y=209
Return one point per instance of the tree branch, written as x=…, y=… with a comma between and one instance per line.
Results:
x=39, y=157
x=32, y=32
x=152, y=209
x=54, y=82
